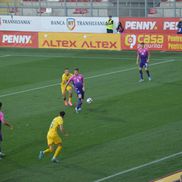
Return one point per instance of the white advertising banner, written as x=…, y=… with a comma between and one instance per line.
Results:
x=55, y=24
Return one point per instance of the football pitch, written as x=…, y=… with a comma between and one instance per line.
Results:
x=130, y=132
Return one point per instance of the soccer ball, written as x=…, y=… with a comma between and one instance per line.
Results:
x=89, y=100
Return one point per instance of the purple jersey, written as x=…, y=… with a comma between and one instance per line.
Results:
x=77, y=80
x=143, y=54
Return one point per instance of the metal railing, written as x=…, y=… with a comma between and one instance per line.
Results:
x=122, y=8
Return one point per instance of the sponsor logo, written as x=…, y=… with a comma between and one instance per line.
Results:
x=14, y=21
x=140, y=25
x=91, y=23
x=59, y=22
x=84, y=44
x=16, y=39
x=70, y=23
x=152, y=41
x=170, y=25
x=130, y=40
x=174, y=42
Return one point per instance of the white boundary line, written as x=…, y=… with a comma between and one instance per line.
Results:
x=3, y=56
x=90, y=77
x=139, y=167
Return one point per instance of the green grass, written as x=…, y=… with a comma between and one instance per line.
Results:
x=127, y=125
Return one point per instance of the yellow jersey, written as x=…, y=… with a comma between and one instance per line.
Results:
x=57, y=121
x=65, y=78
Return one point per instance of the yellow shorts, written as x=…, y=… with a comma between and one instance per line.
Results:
x=53, y=139
x=69, y=88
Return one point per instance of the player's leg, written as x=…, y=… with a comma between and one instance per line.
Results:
x=1, y=153
x=58, y=142
x=141, y=72
x=147, y=71
x=50, y=148
x=57, y=152
x=69, y=88
x=79, y=103
x=64, y=95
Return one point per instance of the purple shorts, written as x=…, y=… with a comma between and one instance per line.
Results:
x=144, y=64
x=80, y=91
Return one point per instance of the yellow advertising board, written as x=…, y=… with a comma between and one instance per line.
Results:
x=176, y=177
x=79, y=41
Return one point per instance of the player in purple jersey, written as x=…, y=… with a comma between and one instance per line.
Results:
x=142, y=61
x=78, y=82
x=2, y=121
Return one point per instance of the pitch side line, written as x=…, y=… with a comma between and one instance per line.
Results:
x=73, y=57
x=90, y=77
x=139, y=167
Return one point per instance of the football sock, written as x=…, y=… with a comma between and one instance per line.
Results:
x=57, y=152
x=79, y=103
x=148, y=73
x=47, y=151
x=141, y=74
x=70, y=98
x=83, y=95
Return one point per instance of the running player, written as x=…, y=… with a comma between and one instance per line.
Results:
x=64, y=79
x=78, y=81
x=53, y=137
x=143, y=56
x=2, y=121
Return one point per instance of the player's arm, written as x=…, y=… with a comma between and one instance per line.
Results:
x=63, y=80
x=7, y=124
x=63, y=130
x=68, y=82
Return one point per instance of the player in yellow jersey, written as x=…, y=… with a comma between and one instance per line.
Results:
x=53, y=138
x=64, y=79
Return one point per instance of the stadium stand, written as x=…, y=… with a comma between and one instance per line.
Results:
x=167, y=8
x=123, y=8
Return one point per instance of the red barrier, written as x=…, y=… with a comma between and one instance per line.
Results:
x=150, y=25
x=18, y=39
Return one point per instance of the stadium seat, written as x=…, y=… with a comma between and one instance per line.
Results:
x=80, y=11
x=152, y=11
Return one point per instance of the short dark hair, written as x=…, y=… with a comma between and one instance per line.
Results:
x=66, y=69
x=76, y=69
x=1, y=104
x=142, y=43
x=62, y=113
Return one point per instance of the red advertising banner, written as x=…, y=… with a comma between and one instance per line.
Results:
x=161, y=42
x=18, y=39
x=150, y=25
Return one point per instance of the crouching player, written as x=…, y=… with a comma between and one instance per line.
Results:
x=53, y=137
x=64, y=79
x=143, y=57
x=78, y=82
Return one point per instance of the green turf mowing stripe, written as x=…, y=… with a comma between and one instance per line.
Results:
x=140, y=167
x=96, y=76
